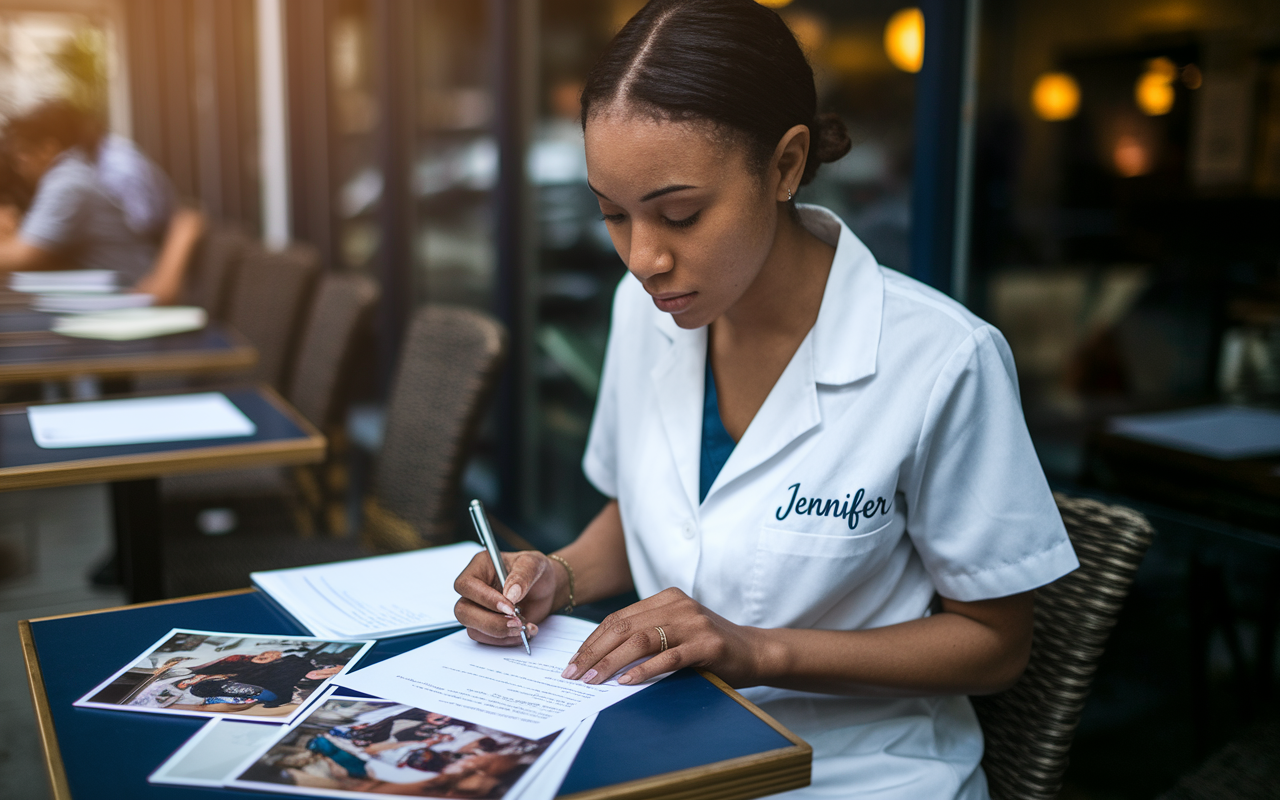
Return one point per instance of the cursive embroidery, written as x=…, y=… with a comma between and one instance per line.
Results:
x=853, y=510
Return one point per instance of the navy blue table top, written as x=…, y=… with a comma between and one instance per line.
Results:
x=682, y=722
x=19, y=449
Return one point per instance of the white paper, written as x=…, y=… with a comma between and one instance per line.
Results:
x=64, y=280
x=540, y=780
x=1224, y=432
x=177, y=418
x=79, y=303
x=499, y=687
x=545, y=777
x=131, y=323
x=373, y=597
x=208, y=758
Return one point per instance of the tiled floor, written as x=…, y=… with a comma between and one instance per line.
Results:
x=49, y=541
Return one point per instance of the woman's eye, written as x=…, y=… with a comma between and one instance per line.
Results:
x=614, y=218
x=684, y=223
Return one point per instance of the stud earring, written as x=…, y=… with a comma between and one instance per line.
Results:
x=788, y=195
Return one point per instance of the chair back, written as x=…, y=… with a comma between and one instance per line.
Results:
x=449, y=364
x=214, y=268
x=271, y=290
x=342, y=305
x=1029, y=728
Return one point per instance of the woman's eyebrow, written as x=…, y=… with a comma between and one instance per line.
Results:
x=655, y=193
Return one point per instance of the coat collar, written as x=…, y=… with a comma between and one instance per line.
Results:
x=840, y=349
x=846, y=336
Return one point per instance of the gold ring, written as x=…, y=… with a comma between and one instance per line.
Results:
x=662, y=634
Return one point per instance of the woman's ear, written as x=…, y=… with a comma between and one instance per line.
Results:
x=788, y=161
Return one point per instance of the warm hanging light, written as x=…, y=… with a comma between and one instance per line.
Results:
x=1154, y=90
x=1055, y=96
x=774, y=3
x=904, y=39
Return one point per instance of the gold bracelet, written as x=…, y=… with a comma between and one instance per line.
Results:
x=568, y=569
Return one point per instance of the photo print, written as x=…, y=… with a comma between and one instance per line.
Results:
x=210, y=674
x=349, y=747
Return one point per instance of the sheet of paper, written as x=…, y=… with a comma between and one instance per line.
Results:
x=208, y=415
x=75, y=303
x=207, y=758
x=128, y=324
x=544, y=778
x=1216, y=431
x=500, y=687
x=375, y=597
x=64, y=280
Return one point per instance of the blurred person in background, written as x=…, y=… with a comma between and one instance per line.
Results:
x=98, y=204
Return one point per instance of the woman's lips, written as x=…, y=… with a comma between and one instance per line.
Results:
x=673, y=303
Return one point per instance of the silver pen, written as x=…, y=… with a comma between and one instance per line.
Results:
x=481, y=523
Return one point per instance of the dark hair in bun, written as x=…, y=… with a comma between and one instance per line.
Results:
x=733, y=63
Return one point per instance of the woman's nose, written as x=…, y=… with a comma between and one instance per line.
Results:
x=649, y=255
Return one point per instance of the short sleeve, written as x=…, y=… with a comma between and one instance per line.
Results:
x=55, y=219
x=979, y=510
x=599, y=463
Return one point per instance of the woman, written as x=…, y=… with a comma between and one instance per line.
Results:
x=824, y=488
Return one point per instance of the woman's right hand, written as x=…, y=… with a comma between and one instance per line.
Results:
x=532, y=583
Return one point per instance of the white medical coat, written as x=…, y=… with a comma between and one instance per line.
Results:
x=890, y=461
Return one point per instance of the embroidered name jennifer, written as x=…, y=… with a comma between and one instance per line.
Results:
x=851, y=510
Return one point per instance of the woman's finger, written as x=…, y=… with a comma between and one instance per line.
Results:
x=617, y=627
x=670, y=660
x=644, y=642
x=479, y=620
x=523, y=571
x=476, y=584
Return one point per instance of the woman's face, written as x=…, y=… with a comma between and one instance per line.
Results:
x=687, y=214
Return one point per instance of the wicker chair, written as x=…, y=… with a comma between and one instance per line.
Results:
x=209, y=284
x=448, y=369
x=1029, y=727
x=341, y=307
x=271, y=290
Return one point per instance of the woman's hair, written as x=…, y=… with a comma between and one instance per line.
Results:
x=733, y=63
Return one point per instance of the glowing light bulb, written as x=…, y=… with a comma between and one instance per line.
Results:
x=1055, y=96
x=904, y=39
x=774, y=3
x=1154, y=90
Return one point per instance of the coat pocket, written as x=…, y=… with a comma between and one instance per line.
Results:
x=798, y=576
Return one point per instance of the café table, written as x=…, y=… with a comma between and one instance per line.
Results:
x=686, y=737
x=282, y=437
x=31, y=352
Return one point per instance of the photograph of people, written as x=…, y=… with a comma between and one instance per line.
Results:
x=383, y=748
x=209, y=674
x=823, y=487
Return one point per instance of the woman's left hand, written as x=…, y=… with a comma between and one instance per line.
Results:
x=695, y=637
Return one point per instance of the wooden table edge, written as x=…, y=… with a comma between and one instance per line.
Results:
x=741, y=778
x=55, y=771
x=192, y=362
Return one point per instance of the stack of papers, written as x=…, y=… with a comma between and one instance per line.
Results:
x=140, y=420
x=132, y=323
x=375, y=597
x=68, y=280
x=82, y=303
